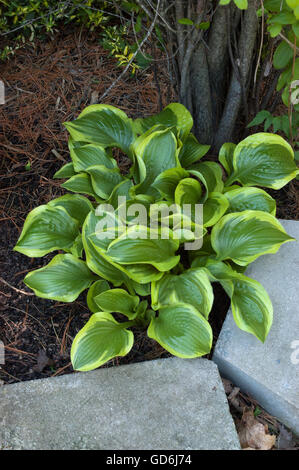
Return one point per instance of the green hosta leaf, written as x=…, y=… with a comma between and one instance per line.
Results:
x=167, y=181
x=77, y=247
x=188, y=191
x=142, y=273
x=263, y=160
x=244, y=236
x=121, y=189
x=80, y=183
x=282, y=55
x=87, y=155
x=226, y=155
x=63, y=279
x=242, y=199
x=175, y=114
x=193, y=287
x=160, y=253
x=251, y=306
x=101, y=339
x=103, y=125
x=118, y=300
x=47, y=229
x=159, y=143
x=99, y=261
x=214, y=208
x=212, y=174
x=141, y=289
x=94, y=258
x=95, y=289
x=104, y=180
x=77, y=206
x=66, y=171
x=192, y=151
x=206, y=252
x=182, y=331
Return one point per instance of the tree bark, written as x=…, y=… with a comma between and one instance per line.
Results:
x=239, y=81
x=201, y=95
x=214, y=67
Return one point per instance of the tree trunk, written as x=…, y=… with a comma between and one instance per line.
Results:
x=214, y=66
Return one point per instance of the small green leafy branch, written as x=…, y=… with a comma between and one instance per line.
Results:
x=282, y=20
x=154, y=283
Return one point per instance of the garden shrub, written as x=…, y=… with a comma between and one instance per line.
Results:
x=157, y=277
x=25, y=20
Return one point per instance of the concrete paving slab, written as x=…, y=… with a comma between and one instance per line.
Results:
x=269, y=371
x=164, y=404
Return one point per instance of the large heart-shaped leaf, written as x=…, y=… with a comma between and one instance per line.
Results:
x=160, y=253
x=167, y=181
x=159, y=143
x=102, y=264
x=86, y=155
x=193, y=287
x=251, y=306
x=118, y=300
x=263, y=160
x=103, y=125
x=174, y=115
x=214, y=208
x=80, y=183
x=63, y=279
x=192, y=151
x=188, y=191
x=66, y=171
x=94, y=259
x=95, y=289
x=47, y=229
x=212, y=174
x=181, y=330
x=226, y=156
x=101, y=339
x=77, y=247
x=104, y=180
x=120, y=190
x=241, y=199
x=77, y=206
x=244, y=236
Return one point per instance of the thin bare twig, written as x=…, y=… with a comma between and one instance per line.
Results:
x=295, y=48
x=14, y=288
x=261, y=44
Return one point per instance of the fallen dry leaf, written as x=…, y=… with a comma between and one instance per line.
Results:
x=42, y=361
x=253, y=434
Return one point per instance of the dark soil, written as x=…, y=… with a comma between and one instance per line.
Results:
x=46, y=86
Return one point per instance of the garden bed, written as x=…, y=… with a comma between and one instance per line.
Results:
x=46, y=86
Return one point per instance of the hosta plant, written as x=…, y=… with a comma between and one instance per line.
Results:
x=157, y=276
